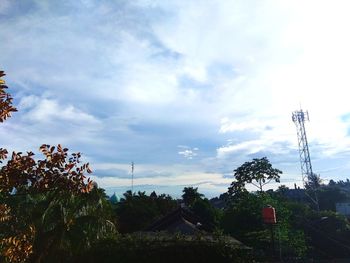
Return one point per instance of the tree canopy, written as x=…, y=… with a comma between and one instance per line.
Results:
x=136, y=211
x=190, y=195
x=6, y=107
x=257, y=172
x=46, y=205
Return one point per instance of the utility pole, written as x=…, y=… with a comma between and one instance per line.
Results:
x=299, y=118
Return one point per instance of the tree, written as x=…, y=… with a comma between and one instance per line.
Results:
x=257, y=172
x=328, y=235
x=6, y=107
x=328, y=196
x=50, y=206
x=332, y=183
x=57, y=172
x=136, y=212
x=282, y=189
x=47, y=205
x=314, y=182
x=165, y=203
x=243, y=220
x=153, y=195
x=190, y=195
x=207, y=213
x=67, y=225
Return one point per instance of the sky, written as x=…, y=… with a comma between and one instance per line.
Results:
x=187, y=90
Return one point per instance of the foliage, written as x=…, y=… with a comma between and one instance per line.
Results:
x=314, y=181
x=328, y=196
x=201, y=207
x=57, y=172
x=242, y=219
x=47, y=205
x=136, y=212
x=50, y=198
x=245, y=212
x=282, y=189
x=221, y=201
x=328, y=235
x=166, y=248
x=6, y=107
x=257, y=172
x=18, y=247
x=72, y=223
x=206, y=212
x=340, y=183
x=190, y=195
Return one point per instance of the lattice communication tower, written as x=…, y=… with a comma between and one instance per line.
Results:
x=299, y=118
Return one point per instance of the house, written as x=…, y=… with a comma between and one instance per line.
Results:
x=183, y=221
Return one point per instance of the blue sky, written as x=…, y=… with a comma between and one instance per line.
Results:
x=188, y=90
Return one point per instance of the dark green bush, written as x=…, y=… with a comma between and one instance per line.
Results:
x=165, y=248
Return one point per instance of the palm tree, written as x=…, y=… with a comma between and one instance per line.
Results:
x=190, y=195
x=67, y=224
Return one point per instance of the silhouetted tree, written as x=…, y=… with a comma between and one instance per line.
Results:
x=257, y=172
x=329, y=196
x=314, y=181
x=190, y=195
x=136, y=212
x=207, y=213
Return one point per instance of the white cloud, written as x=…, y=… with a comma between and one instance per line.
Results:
x=188, y=152
x=184, y=178
x=237, y=68
x=246, y=125
x=248, y=147
x=48, y=110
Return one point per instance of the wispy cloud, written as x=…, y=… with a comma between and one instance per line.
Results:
x=187, y=152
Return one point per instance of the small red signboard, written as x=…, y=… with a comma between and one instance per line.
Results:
x=269, y=215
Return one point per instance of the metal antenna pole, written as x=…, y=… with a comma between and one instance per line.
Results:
x=299, y=118
x=132, y=177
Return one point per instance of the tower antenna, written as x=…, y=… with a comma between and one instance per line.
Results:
x=132, y=177
x=299, y=117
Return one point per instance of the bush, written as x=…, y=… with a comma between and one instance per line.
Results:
x=165, y=248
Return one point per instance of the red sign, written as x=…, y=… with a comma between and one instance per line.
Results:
x=269, y=215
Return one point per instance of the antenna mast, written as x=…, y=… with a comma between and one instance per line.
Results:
x=132, y=177
x=299, y=118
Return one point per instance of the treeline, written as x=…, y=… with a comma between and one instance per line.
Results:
x=300, y=232
x=63, y=227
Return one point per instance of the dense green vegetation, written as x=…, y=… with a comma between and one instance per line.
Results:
x=89, y=226
x=136, y=211
x=165, y=248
